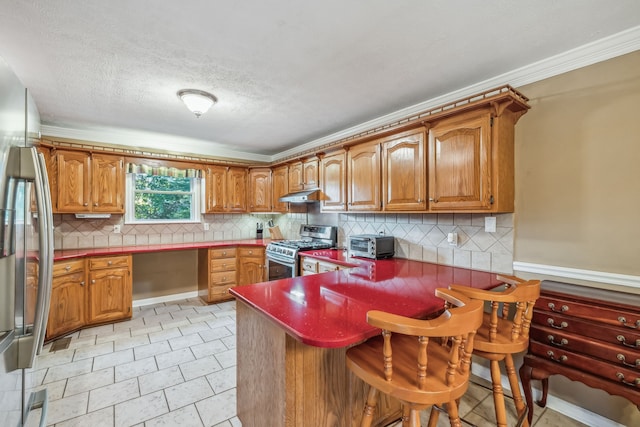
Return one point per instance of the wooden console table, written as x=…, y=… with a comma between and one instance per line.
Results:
x=587, y=335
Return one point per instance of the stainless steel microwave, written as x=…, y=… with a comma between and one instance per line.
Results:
x=371, y=246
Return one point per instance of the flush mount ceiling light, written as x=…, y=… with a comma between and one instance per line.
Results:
x=197, y=101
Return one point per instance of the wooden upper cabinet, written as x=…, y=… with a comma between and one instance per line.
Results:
x=260, y=190
x=225, y=189
x=280, y=187
x=304, y=175
x=404, y=176
x=310, y=173
x=73, y=179
x=296, y=182
x=363, y=177
x=215, y=189
x=88, y=182
x=237, y=189
x=333, y=179
x=107, y=176
x=460, y=163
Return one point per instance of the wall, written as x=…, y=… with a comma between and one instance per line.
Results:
x=578, y=188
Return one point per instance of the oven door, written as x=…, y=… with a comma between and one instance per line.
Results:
x=281, y=268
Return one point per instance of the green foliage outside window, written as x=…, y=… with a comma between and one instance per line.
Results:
x=162, y=198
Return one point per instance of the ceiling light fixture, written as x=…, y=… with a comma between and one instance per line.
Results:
x=197, y=101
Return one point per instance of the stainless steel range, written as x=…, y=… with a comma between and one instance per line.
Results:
x=282, y=256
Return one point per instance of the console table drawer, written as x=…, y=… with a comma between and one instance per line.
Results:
x=615, y=316
x=616, y=335
x=615, y=354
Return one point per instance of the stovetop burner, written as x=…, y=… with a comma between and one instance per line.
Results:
x=313, y=237
x=303, y=245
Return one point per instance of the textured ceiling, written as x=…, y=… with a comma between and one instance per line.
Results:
x=286, y=72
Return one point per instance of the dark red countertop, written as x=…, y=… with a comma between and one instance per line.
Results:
x=119, y=250
x=329, y=310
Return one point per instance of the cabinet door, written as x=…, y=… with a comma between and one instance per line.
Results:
x=459, y=163
x=260, y=190
x=280, y=186
x=333, y=180
x=404, y=175
x=107, y=183
x=237, y=190
x=110, y=295
x=296, y=180
x=215, y=189
x=67, y=311
x=363, y=180
x=251, y=270
x=310, y=178
x=74, y=191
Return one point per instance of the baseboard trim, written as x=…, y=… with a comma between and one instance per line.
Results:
x=164, y=298
x=580, y=274
x=578, y=413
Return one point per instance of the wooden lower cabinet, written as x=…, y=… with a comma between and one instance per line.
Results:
x=110, y=289
x=89, y=291
x=309, y=265
x=251, y=265
x=68, y=290
x=216, y=273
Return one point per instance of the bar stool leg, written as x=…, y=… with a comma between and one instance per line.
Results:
x=515, y=387
x=454, y=416
x=498, y=395
x=369, y=407
x=433, y=417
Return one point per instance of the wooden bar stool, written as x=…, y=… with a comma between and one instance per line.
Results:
x=504, y=332
x=419, y=362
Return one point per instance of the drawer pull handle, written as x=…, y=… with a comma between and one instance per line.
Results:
x=562, y=342
x=635, y=382
x=621, y=358
x=622, y=320
x=552, y=356
x=623, y=341
x=68, y=267
x=551, y=323
x=552, y=307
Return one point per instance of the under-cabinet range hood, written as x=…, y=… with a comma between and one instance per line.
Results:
x=307, y=196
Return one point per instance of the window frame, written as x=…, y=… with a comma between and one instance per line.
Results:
x=196, y=203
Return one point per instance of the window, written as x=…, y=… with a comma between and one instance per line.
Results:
x=162, y=199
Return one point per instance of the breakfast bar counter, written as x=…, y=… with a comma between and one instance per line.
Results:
x=292, y=336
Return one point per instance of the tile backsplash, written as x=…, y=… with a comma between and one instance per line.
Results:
x=418, y=236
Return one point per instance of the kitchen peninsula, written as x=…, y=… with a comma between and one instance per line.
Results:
x=292, y=335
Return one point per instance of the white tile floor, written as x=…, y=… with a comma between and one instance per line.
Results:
x=175, y=364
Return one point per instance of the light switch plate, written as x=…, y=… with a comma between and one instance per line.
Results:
x=490, y=224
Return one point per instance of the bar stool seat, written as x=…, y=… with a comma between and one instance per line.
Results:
x=419, y=362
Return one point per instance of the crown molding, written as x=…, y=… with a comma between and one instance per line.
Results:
x=150, y=140
x=600, y=50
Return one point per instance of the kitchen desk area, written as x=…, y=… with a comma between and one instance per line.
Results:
x=292, y=336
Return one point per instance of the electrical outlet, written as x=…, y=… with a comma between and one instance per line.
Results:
x=490, y=224
x=452, y=238
x=116, y=228
x=206, y=226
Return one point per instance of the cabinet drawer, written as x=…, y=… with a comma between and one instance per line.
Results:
x=309, y=266
x=596, y=313
x=223, y=264
x=223, y=277
x=67, y=267
x=216, y=292
x=108, y=262
x=618, y=374
x=616, y=335
x=611, y=353
x=251, y=251
x=222, y=253
x=324, y=267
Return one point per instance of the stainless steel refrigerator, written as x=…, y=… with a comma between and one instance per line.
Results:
x=26, y=254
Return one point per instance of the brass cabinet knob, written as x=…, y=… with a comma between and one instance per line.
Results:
x=86, y=204
x=95, y=204
x=82, y=283
x=68, y=267
x=109, y=262
x=93, y=281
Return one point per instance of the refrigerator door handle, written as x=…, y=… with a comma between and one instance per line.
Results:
x=30, y=346
x=38, y=399
x=45, y=273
